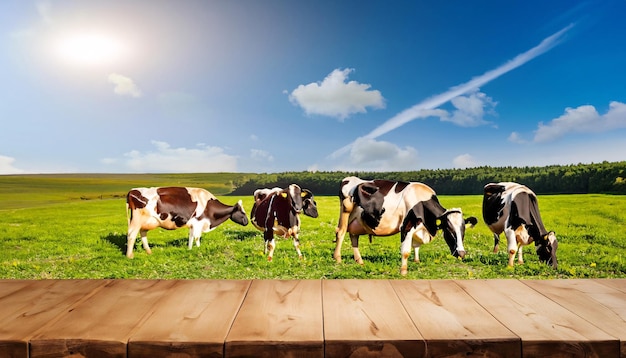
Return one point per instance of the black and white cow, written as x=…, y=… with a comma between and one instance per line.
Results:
x=385, y=207
x=277, y=211
x=512, y=208
x=175, y=207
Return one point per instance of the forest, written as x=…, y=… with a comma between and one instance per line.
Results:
x=594, y=178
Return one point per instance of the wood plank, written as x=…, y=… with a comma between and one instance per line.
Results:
x=364, y=318
x=616, y=283
x=545, y=327
x=603, y=306
x=10, y=292
x=192, y=320
x=452, y=323
x=35, y=304
x=101, y=325
x=279, y=318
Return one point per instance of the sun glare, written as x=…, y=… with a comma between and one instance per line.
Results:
x=89, y=49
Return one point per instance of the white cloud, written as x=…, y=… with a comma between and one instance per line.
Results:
x=124, y=86
x=370, y=154
x=6, y=166
x=464, y=161
x=416, y=111
x=335, y=97
x=515, y=137
x=181, y=160
x=583, y=119
x=258, y=154
x=470, y=110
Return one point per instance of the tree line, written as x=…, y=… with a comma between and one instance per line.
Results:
x=605, y=177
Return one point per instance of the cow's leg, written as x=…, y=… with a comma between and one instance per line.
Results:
x=511, y=244
x=270, y=243
x=521, y=238
x=296, y=244
x=342, y=226
x=338, y=243
x=294, y=232
x=496, y=243
x=405, y=251
x=195, y=232
x=131, y=237
x=190, y=244
x=355, y=248
x=340, y=233
x=144, y=241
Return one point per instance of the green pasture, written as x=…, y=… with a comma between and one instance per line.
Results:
x=68, y=227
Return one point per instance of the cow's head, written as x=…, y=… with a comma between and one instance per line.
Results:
x=371, y=200
x=238, y=214
x=309, y=206
x=546, y=249
x=453, y=227
x=294, y=194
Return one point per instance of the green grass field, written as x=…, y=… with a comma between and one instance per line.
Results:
x=73, y=227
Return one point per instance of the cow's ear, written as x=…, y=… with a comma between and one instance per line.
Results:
x=470, y=222
x=368, y=189
x=550, y=236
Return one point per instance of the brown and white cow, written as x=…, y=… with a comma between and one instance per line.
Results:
x=278, y=211
x=385, y=207
x=512, y=208
x=175, y=207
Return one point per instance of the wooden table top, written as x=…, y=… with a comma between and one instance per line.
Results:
x=313, y=318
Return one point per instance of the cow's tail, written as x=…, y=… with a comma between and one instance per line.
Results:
x=129, y=213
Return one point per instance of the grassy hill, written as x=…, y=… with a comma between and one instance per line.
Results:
x=18, y=191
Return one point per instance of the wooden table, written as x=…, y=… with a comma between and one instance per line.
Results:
x=313, y=318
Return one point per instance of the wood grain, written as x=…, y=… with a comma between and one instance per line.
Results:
x=28, y=306
x=599, y=304
x=313, y=318
x=100, y=326
x=452, y=323
x=279, y=318
x=545, y=327
x=365, y=318
x=618, y=283
x=192, y=320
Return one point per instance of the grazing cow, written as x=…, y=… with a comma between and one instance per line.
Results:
x=278, y=211
x=385, y=207
x=513, y=208
x=174, y=207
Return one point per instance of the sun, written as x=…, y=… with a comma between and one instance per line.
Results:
x=89, y=49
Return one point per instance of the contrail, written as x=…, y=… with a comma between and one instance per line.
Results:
x=417, y=111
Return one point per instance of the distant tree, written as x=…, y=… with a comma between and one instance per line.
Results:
x=605, y=177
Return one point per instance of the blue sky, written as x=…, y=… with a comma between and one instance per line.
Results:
x=277, y=85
